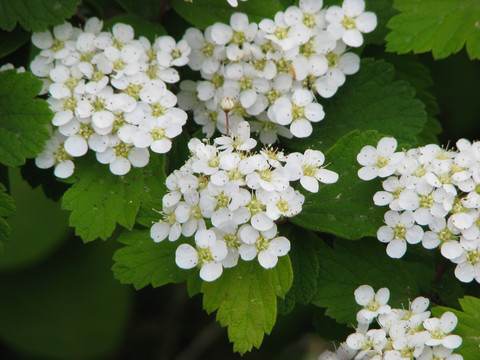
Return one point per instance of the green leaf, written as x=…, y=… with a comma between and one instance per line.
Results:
x=143, y=262
x=468, y=326
x=22, y=118
x=351, y=264
x=304, y=259
x=99, y=200
x=47, y=226
x=369, y=100
x=69, y=307
x=11, y=41
x=346, y=207
x=245, y=298
x=148, y=9
x=384, y=11
x=142, y=27
x=7, y=208
x=35, y=15
x=440, y=26
x=203, y=13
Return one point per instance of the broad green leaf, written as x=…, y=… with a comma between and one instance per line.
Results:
x=351, y=264
x=7, y=208
x=142, y=261
x=245, y=298
x=69, y=307
x=346, y=207
x=384, y=11
x=22, y=118
x=35, y=15
x=440, y=26
x=47, y=226
x=12, y=40
x=417, y=74
x=99, y=200
x=468, y=326
x=203, y=13
x=148, y=9
x=369, y=100
x=304, y=259
x=151, y=30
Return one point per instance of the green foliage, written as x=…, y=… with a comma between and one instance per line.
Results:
x=345, y=208
x=22, y=118
x=202, y=13
x=35, y=15
x=151, y=30
x=68, y=307
x=369, y=100
x=147, y=10
x=440, y=26
x=11, y=41
x=468, y=326
x=98, y=199
x=7, y=208
x=143, y=262
x=245, y=300
x=351, y=264
x=47, y=226
x=305, y=265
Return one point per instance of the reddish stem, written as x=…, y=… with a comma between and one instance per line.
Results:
x=440, y=268
x=161, y=11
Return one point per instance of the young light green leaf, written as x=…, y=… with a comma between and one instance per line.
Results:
x=468, y=326
x=142, y=27
x=7, y=208
x=440, y=26
x=351, y=264
x=99, y=199
x=35, y=15
x=346, y=207
x=369, y=100
x=245, y=298
x=202, y=13
x=142, y=261
x=22, y=118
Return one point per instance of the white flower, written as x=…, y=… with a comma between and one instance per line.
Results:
x=380, y=161
x=350, y=21
x=264, y=243
x=438, y=330
x=208, y=254
x=307, y=168
x=399, y=230
x=373, y=303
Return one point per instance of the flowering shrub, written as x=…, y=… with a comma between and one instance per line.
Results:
x=244, y=141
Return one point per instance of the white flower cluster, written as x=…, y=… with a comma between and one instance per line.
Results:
x=434, y=198
x=238, y=195
x=272, y=69
x=108, y=92
x=403, y=334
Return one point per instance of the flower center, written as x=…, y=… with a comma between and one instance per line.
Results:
x=348, y=23
x=255, y=206
x=214, y=162
x=245, y=83
x=222, y=200
x=266, y=175
x=122, y=150
x=283, y=206
x=281, y=33
x=399, y=231
x=204, y=256
x=85, y=131
x=61, y=155
x=272, y=95
x=207, y=49
x=309, y=20
x=426, y=201
x=332, y=59
x=382, y=161
x=133, y=90
x=298, y=112
x=158, y=110
x=473, y=257
x=157, y=133
x=238, y=37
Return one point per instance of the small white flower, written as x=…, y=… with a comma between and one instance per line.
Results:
x=380, y=161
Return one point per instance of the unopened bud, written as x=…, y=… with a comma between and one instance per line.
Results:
x=227, y=104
